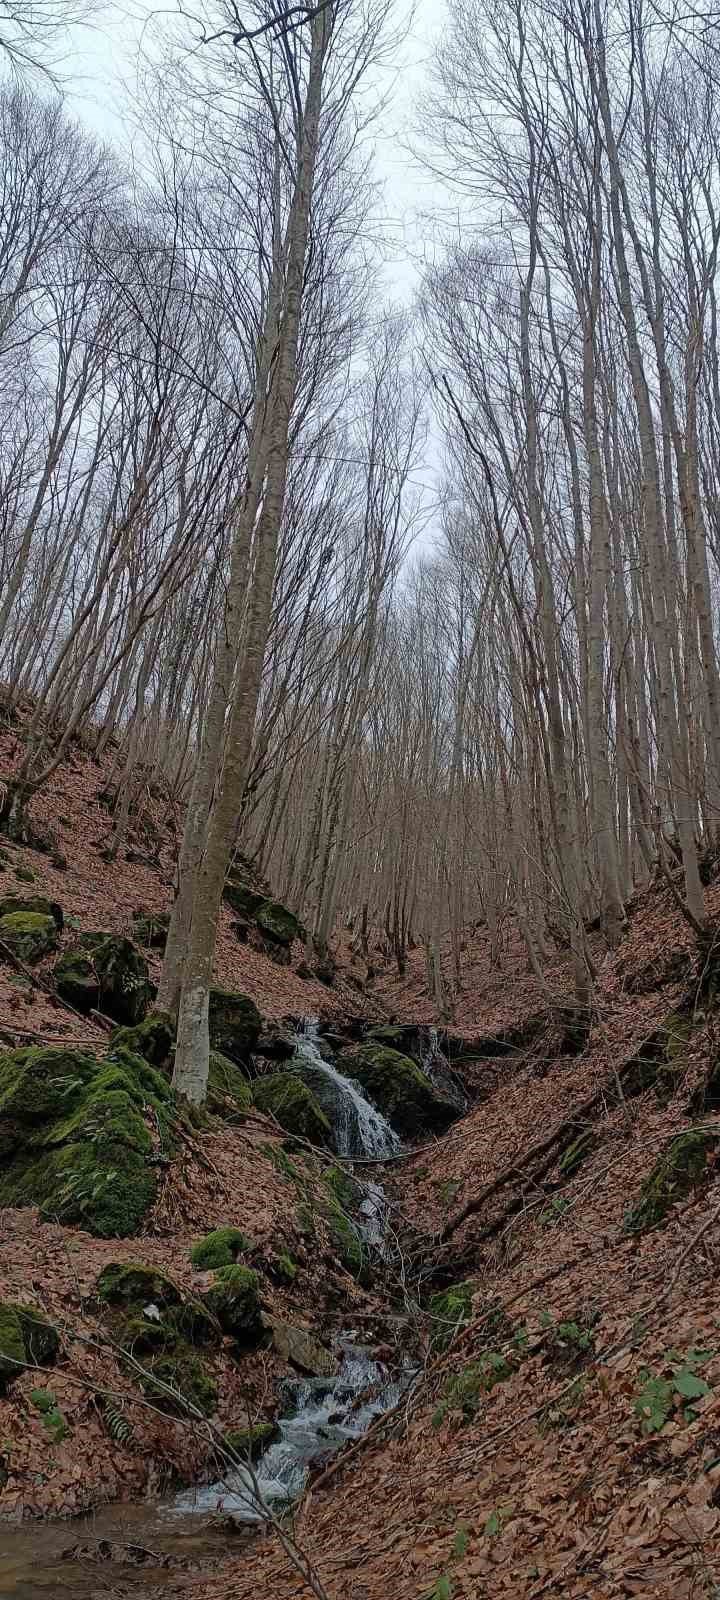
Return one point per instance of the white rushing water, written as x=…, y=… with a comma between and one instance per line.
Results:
x=324, y=1413
x=359, y=1129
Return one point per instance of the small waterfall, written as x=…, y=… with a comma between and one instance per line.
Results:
x=322, y=1415
x=359, y=1129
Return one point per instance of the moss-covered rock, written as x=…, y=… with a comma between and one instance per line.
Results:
x=220, y=1248
x=180, y=1381
x=129, y=1283
x=29, y=935
x=151, y=930
x=11, y=903
x=75, y=1138
x=106, y=972
x=250, y=1443
x=242, y=899
x=679, y=1170
x=153, y=1039
x=229, y=1094
x=234, y=1299
x=277, y=923
x=285, y=1097
x=27, y=1339
x=449, y=1310
x=400, y=1089
x=235, y=1024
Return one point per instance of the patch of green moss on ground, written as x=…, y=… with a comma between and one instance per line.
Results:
x=177, y=1381
x=679, y=1170
x=220, y=1248
x=450, y=1309
x=576, y=1153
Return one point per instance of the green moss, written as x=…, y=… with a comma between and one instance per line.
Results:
x=250, y=1443
x=219, y=1249
x=89, y=1118
x=277, y=922
x=229, y=1094
x=235, y=1024
x=450, y=1310
x=186, y=1376
x=135, y=1283
x=399, y=1088
x=29, y=935
x=105, y=971
x=140, y=1335
x=153, y=1039
x=285, y=1267
x=235, y=1300
x=43, y=1400
x=38, y=903
x=27, y=1339
x=285, y=1097
x=464, y=1390
x=341, y=1195
x=12, y=1345
x=680, y=1168
x=576, y=1153
x=24, y=875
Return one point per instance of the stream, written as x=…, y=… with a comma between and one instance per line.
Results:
x=142, y=1550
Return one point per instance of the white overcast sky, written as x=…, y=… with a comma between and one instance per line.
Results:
x=101, y=61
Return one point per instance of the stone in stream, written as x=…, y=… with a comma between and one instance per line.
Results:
x=400, y=1088
x=299, y=1347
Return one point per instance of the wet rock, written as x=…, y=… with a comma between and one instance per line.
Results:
x=400, y=1088
x=299, y=1347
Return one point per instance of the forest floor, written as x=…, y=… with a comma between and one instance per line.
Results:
x=567, y=1441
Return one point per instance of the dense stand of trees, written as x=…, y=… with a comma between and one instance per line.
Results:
x=210, y=481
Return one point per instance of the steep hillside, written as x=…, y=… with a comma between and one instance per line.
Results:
x=554, y=1281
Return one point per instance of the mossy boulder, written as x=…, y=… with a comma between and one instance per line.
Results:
x=29, y=935
x=250, y=1443
x=277, y=923
x=75, y=1139
x=27, y=1339
x=11, y=903
x=400, y=1089
x=234, y=1299
x=105, y=972
x=235, y=1024
x=242, y=899
x=285, y=1097
x=153, y=1039
x=180, y=1381
x=151, y=931
x=220, y=1248
x=679, y=1170
x=229, y=1094
x=450, y=1309
x=134, y=1283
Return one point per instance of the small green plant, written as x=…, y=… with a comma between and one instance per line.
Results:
x=568, y=1339
x=564, y=1414
x=447, y=1191
x=661, y=1394
x=43, y=1400
x=443, y=1587
x=117, y=1424
x=552, y=1214
x=464, y=1390
x=495, y=1523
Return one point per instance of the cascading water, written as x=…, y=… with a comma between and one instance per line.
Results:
x=359, y=1129
x=322, y=1413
